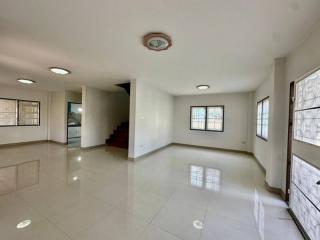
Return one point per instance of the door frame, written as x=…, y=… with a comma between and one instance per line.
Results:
x=290, y=138
x=69, y=104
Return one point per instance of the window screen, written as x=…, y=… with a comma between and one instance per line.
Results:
x=28, y=113
x=198, y=118
x=14, y=112
x=8, y=112
x=215, y=118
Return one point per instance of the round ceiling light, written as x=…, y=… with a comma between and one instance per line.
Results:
x=23, y=224
x=25, y=81
x=197, y=224
x=60, y=71
x=203, y=87
x=157, y=41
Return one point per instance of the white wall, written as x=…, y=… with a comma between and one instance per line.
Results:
x=102, y=113
x=261, y=148
x=25, y=133
x=151, y=118
x=59, y=112
x=58, y=117
x=302, y=60
x=274, y=176
x=270, y=152
x=237, y=113
x=273, y=154
x=74, y=97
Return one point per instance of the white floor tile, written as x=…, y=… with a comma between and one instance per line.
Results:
x=99, y=195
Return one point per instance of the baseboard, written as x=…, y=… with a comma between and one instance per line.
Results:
x=259, y=163
x=92, y=147
x=56, y=142
x=283, y=196
x=274, y=190
x=149, y=153
x=22, y=143
x=211, y=148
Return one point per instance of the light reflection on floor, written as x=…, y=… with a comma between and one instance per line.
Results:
x=178, y=193
x=203, y=177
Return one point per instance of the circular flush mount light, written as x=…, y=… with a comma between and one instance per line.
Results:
x=157, y=41
x=60, y=71
x=197, y=224
x=25, y=81
x=203, y=87
x=23, y=224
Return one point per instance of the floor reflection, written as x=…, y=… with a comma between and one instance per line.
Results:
x=205, y=177
x=99, y=194
x=259, y=214
x=19, y=176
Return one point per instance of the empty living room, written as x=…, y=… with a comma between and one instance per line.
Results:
x=160, y=120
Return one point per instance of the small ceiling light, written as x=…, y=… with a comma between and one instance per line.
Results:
x=80, y=109
x=75, y=178
x=157, y=41
x=203, y=87
x=25, y=81
x=197, y=224
x=60, y=71
x=79, y=159
x=23, y=224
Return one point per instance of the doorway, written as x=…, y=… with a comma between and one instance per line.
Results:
x=289, y=143
x=74, y=124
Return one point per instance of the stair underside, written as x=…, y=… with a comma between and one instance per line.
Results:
x=120, y=137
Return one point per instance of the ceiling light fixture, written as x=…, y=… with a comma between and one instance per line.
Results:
x=197, y=224
x=23, y=224
x=203, y=87
x=157, y=41
x=25, y=81
x=60, y=71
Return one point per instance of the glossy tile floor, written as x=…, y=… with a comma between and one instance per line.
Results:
x=177, y=193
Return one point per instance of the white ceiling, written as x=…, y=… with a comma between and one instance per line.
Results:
x=226, y=44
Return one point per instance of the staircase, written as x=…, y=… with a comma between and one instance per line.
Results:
x=120, y=137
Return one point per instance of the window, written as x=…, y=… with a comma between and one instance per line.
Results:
x=307, y=110
x=207, y=118
x=15, y=112
x=8, y=112
x=28, y=113
x=263, y=118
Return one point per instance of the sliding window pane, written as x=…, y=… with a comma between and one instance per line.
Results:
x=29, y=113
x=215, y=118
x=198, y=118
x=8, y=112
x=259, y=119
x=265, y=118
